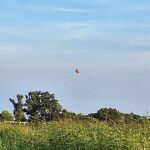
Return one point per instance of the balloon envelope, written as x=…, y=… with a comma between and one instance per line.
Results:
x=77, y=71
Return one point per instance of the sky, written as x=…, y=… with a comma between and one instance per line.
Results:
x=43, y=42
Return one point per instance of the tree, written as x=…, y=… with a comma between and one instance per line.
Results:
x=18, y=108
x=6, y=116
x=131, y=118
x=69, y=115
x=42, y=106
x=106, y=114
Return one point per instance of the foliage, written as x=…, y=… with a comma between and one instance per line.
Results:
x=68, y=115
x=131, y=117
x=39, y=106
x=105, y=114
x=42, y=106
x=75, y=135
x=18, y=108
x=6, y=116
x=113, y=115
x=107, y=129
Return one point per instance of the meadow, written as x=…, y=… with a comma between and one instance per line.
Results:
x=75, y=135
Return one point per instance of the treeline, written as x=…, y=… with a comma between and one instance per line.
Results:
x=37, y=106
x=113, y=115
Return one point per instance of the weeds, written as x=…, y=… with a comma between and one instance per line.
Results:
x=71, y=135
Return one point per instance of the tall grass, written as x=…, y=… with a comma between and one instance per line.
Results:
x=71, y=135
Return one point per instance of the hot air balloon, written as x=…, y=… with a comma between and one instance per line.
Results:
x=77, y=71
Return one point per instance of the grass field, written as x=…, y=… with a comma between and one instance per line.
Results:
x=79, y=135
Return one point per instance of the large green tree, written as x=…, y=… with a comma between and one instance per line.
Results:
x=42, y=106
x=18, y=108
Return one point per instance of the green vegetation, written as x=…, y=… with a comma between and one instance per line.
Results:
x=75, y=135
x=6, y=116
x=49, y=127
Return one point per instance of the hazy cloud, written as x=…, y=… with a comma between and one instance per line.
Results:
x=42, y=42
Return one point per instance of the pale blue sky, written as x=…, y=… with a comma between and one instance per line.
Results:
x=42, y=42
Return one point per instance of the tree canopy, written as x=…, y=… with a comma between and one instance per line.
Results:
x=6, y=116
x=43, y=107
